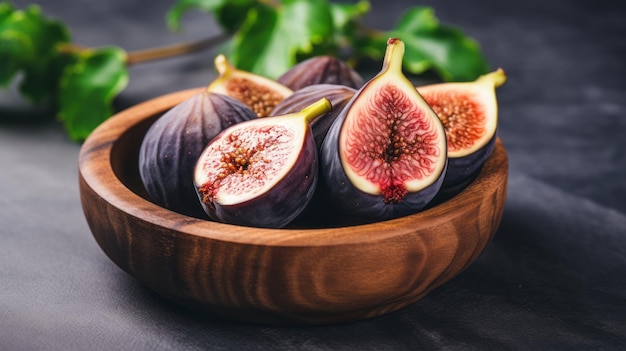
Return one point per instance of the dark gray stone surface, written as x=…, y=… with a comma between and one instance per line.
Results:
x=552, y=278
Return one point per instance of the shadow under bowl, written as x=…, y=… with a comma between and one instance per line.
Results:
x=277, y=276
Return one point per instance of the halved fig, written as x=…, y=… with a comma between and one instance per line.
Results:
x=339, y=95
x=171, y=146
x=260, y=173
x=385, y=155
x=324, y=69
x=469, y=113
x=261, y=94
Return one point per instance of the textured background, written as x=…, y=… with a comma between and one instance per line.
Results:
x=552, y=278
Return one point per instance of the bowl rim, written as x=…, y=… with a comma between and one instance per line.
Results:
x=104, y=182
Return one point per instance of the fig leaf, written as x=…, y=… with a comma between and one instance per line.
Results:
x=28, y=44
x=271, y=37
x=6, y=9
x=431, y=45
x=87, y=89
x=346, y=17
x=228, y=13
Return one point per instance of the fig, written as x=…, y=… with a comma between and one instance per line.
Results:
x=260, y=173
x=385, y=154
x=339, y=95
x=316, y=211
x=259, y=93
x=469, y=113
x=324, y=69
x=171, y=146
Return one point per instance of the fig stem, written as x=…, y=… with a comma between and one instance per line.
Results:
x=222, y=65
x=316, y=109
x=394, y=54
x=497, y=78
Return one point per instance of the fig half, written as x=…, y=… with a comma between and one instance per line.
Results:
x=259, y=93
x=260, y=173
x=171, y=146
x=385, y=155
x=469, y=113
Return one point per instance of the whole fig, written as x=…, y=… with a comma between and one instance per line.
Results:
x=323, y=69
x=385, y=155
x=260, y=173
x=171, y=146
x=469, y=113
x=339, y=95
x=259, y=93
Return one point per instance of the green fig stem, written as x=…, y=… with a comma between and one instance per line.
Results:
x=497, y=78
x=316, y=109
x=394, y=55
x=223, y=67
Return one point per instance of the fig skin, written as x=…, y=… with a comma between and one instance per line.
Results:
x=355, y=205
x=172, y=144
x=288, y=190
x=316, y=212
x=469, y=108
x=259, y=93
x=462, y=170
x=339, y=96
x=323, y=69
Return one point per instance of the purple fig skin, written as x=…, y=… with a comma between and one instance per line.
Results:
x=282, y=203
x=339, y=95
x=462, y=169
x=322, y=69
x=172, y=145
x=358, y=206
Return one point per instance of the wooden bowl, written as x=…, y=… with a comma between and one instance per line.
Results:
x=276, y=276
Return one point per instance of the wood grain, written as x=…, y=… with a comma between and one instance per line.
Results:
x=277, y=276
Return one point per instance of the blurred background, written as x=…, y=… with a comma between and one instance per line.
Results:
x=552, y=278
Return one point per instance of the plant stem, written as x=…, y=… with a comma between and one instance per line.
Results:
x=157, y=53
x=174, y=50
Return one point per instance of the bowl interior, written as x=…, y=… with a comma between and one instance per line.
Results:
x=125, y=156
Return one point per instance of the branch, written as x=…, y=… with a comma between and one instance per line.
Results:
x=174, y=50
x=157, y=53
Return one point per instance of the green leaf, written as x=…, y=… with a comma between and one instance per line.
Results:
x=270, y=39
x=430, y=45
x=347, y=27
x=230, y=14
x=346, y=16
x=28, y=43
x=6, y=9
x=176, y=12
x=88, y=87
